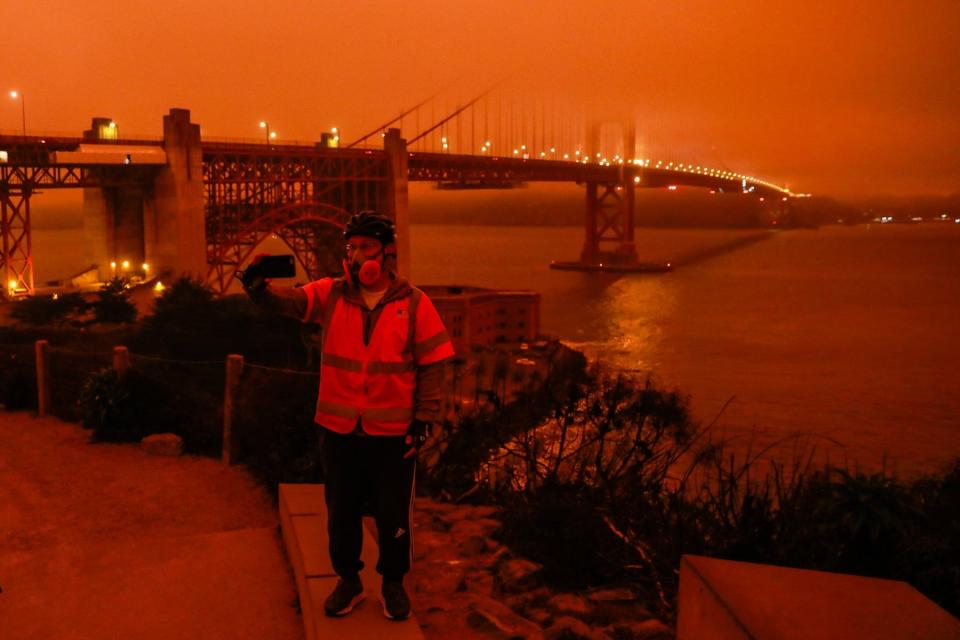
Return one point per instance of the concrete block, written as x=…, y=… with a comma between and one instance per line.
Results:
x=302, y=499
x=726, y=600
x=303, y=519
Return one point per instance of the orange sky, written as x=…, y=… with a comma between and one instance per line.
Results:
x=841, y=98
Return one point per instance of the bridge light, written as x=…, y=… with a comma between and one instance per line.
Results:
x=263, y=124
x=145, y=267
x=577, y=152
x=443, y=139
x=516, y=151
x=14, y=94
x=636, y=179
x=125, y=264
x=566, y=156
x=12, y=285
x=158, y=287
x=273, y=134
x=672, y=187
x=487, y=143
x=333, y=130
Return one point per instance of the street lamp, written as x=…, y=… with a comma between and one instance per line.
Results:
x=266, y=127
x=23, y=109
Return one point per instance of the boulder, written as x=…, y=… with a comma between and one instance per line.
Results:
x=162, y=444
x=538, y=615
x=517, y=574
x=441, y=578
x=647, y=630
x=612, y=595
x=486, y=614
x=479, y=582
x=569, y=603
x=471, y=536
x=569, y=628
x=456, y=514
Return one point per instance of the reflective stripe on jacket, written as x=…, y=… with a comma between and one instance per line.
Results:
x=375, y=382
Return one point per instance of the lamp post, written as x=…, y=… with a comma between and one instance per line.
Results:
x=266, y=127
x=23, y=109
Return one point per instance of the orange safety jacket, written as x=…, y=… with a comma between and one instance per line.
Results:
x=374, y=382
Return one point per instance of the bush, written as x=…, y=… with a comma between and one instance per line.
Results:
x=113, y=302
x=613, y=468
x=124, y=408
x=190, y=324
x=18, y=380
x=274, y=432
x=48, y=310
x=105, y=408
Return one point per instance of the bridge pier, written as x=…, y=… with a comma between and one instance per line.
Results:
x=609, y=219
x=16, y=259
x=174, y=225
x=397, y=202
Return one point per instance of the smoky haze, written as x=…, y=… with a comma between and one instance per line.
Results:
x=848, y=99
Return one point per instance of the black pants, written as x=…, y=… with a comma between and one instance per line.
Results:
x=368, y=474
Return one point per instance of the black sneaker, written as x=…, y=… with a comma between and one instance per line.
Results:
x=346, y=595
x=396, y=604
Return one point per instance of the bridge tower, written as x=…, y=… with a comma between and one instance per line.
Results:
x=158, y=221
x=609, y=216
x=16, y=261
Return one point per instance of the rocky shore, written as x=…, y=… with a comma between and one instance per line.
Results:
x=465, y=584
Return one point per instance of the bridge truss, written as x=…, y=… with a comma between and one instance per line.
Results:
x=302, y=196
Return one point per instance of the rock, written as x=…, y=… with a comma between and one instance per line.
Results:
x=484, y=511
x=489, y=615
x=490, y=560
x=540, y=616
x=454, y=515
x=569, y=603
x=431, y=545
x=162, y=444
x=471, y=536
x=569, y=628
x=612, y=595
x=479, y=582
x=492, y=545
x=517, y=574
x=647, y=630
x=523, y=601
x=432, y=506
x=443, y=578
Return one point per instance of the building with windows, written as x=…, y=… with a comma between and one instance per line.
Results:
x=477, y=316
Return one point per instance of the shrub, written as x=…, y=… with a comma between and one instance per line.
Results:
x=18, y=380
x=104, y=405
x=190, y=324
x=274, y=432
x=124, y=408
x=48, y=310
x=113, y=302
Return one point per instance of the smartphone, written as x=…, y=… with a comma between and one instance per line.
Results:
x=278, y=267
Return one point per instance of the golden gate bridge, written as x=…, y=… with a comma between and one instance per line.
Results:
x=199, y=206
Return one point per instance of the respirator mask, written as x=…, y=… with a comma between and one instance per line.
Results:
x=364, y=264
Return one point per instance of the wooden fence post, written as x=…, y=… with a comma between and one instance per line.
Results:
x=41, y=349
x=121, y=360
x=234, y=370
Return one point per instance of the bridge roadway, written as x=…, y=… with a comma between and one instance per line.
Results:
x=143, y=200
x=32, y=164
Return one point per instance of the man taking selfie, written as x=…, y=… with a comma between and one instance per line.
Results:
x=381, y=374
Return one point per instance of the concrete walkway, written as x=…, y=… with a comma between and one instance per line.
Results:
x=103, y=541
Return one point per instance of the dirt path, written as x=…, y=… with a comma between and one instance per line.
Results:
x=105, y=541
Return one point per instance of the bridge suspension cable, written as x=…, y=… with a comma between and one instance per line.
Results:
x=451, y=116
x=402, y=115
